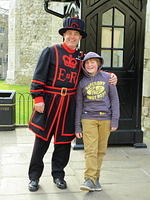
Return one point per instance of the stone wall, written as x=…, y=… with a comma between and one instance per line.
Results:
x=30, y=30
x=3, y=43
x=146, y=77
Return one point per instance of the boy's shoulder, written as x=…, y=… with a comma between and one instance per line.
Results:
x=83, y=80
x=106, y=75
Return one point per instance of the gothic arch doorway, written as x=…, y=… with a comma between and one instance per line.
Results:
x=116, y=30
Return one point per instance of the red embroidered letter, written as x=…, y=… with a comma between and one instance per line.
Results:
x=61, y=74
x=73, y=77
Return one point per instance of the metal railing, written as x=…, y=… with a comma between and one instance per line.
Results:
x=24, y=107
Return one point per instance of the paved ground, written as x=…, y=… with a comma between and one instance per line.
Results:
x=125, y=172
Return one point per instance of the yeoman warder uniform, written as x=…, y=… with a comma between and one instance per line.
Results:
x=54, y=83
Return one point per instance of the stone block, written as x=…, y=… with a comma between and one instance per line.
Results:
x=146, y=88
x=146, y=102
x=145, y=111
x=147, y=64
x=147, y=39
x=147, y=53
x=147, y=123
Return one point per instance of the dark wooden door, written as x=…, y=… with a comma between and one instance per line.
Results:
x=116, y=30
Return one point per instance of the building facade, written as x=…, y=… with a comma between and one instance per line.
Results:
x=3, y=43
x=31, y=29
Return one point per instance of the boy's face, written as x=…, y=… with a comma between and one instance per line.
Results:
x=91, y=66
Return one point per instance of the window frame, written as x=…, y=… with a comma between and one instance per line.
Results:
x=113, y=27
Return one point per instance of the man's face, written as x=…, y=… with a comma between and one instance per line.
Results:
x=72, y=38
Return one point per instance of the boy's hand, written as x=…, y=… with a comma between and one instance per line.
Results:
x=113, y=80
x=79, y=135
x=39, y=107
x=113, y=129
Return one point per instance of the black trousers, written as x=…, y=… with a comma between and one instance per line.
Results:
x=60, y=159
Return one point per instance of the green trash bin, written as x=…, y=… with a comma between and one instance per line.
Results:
x=7, y=110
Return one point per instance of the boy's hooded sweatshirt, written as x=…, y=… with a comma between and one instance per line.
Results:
x=96, y=99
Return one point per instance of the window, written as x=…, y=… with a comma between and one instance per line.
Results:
x=2, y=29
x=112, y=38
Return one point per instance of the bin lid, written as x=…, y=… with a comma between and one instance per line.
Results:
x=7, y=94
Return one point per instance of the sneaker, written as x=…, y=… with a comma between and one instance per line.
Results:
x=98, y=185
x=88, y=185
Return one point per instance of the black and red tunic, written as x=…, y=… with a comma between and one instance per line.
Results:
x=54, y=83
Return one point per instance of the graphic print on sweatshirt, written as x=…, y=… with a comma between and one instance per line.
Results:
x=96, y=90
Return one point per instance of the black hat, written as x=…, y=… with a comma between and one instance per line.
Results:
x=75, y=24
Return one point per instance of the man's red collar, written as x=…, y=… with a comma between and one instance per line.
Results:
x=67, y=48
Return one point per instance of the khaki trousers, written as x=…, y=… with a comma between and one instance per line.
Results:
x=95, y=139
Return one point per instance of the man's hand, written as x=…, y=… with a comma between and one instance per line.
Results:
x=39, y=107
x=113, y=80
x=113, y=129
x=79, y=135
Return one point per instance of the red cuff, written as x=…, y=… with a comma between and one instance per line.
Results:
x=38, y=100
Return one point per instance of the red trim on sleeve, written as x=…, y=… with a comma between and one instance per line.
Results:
x=40, y=90
x=40, y=82
x=38, y=100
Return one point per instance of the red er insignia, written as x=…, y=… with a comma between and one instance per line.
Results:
x=69, y=61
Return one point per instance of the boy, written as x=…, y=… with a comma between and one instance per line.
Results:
x=98, y=110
